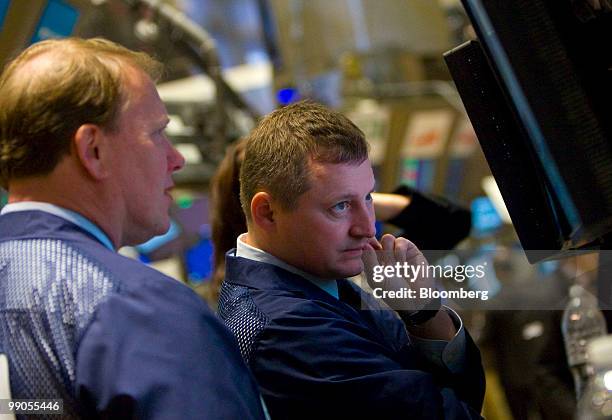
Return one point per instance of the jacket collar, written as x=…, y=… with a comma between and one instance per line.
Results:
x=71, y=216
x=35, y=224
x=267, y=277
x=264, y=276
x=250, y=252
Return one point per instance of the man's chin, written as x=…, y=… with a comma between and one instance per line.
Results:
x=153, y=231
x=160, y=229
x=164, y=228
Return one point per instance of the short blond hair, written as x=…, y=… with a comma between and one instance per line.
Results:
x=40, y=110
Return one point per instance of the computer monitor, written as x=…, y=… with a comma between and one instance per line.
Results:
x=537, y=86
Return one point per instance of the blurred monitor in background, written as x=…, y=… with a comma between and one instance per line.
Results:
x=25, y=22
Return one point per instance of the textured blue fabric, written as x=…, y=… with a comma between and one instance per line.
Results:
x=449, y=354
x=109, y=335
x=318, y=357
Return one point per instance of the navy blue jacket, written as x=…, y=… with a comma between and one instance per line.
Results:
x=315, y=356
x=109, y=335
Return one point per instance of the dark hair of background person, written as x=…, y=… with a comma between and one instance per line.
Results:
x=39, y=116
x=294, y=135
x=227, y=218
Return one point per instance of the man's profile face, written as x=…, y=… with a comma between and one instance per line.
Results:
x=144, y=160
x=326, y=232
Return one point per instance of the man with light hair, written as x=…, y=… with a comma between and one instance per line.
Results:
x=318, y=345
x=88, y=170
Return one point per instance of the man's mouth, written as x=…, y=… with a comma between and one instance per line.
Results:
x=354, y=251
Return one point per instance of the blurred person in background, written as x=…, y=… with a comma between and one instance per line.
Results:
x=88, y=170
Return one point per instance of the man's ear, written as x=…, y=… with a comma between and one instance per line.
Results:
x=262, y=211
x=90, y=146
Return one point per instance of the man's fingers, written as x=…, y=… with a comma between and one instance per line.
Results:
x=400, y=248
x=373, y=242
x=387, y=255
x=387, y=242
x=414, y=254
x=369, y=259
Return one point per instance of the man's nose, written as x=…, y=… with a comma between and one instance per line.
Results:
x=176, y=161
x=363, y=223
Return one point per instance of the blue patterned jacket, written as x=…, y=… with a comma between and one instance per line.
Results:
x=109, y=335
x=317, y=357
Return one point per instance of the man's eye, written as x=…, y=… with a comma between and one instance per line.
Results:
x=340, y=207
x=369, y=197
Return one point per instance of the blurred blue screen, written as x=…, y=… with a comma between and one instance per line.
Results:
x=57, y=21
x=4, y=5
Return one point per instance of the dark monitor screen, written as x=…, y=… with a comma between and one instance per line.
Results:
x=550, y=67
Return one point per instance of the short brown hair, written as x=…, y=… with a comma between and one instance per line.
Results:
x=279, y=149
x=42, y=107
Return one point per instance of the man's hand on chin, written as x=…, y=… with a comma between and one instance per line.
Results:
x=399, y=270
